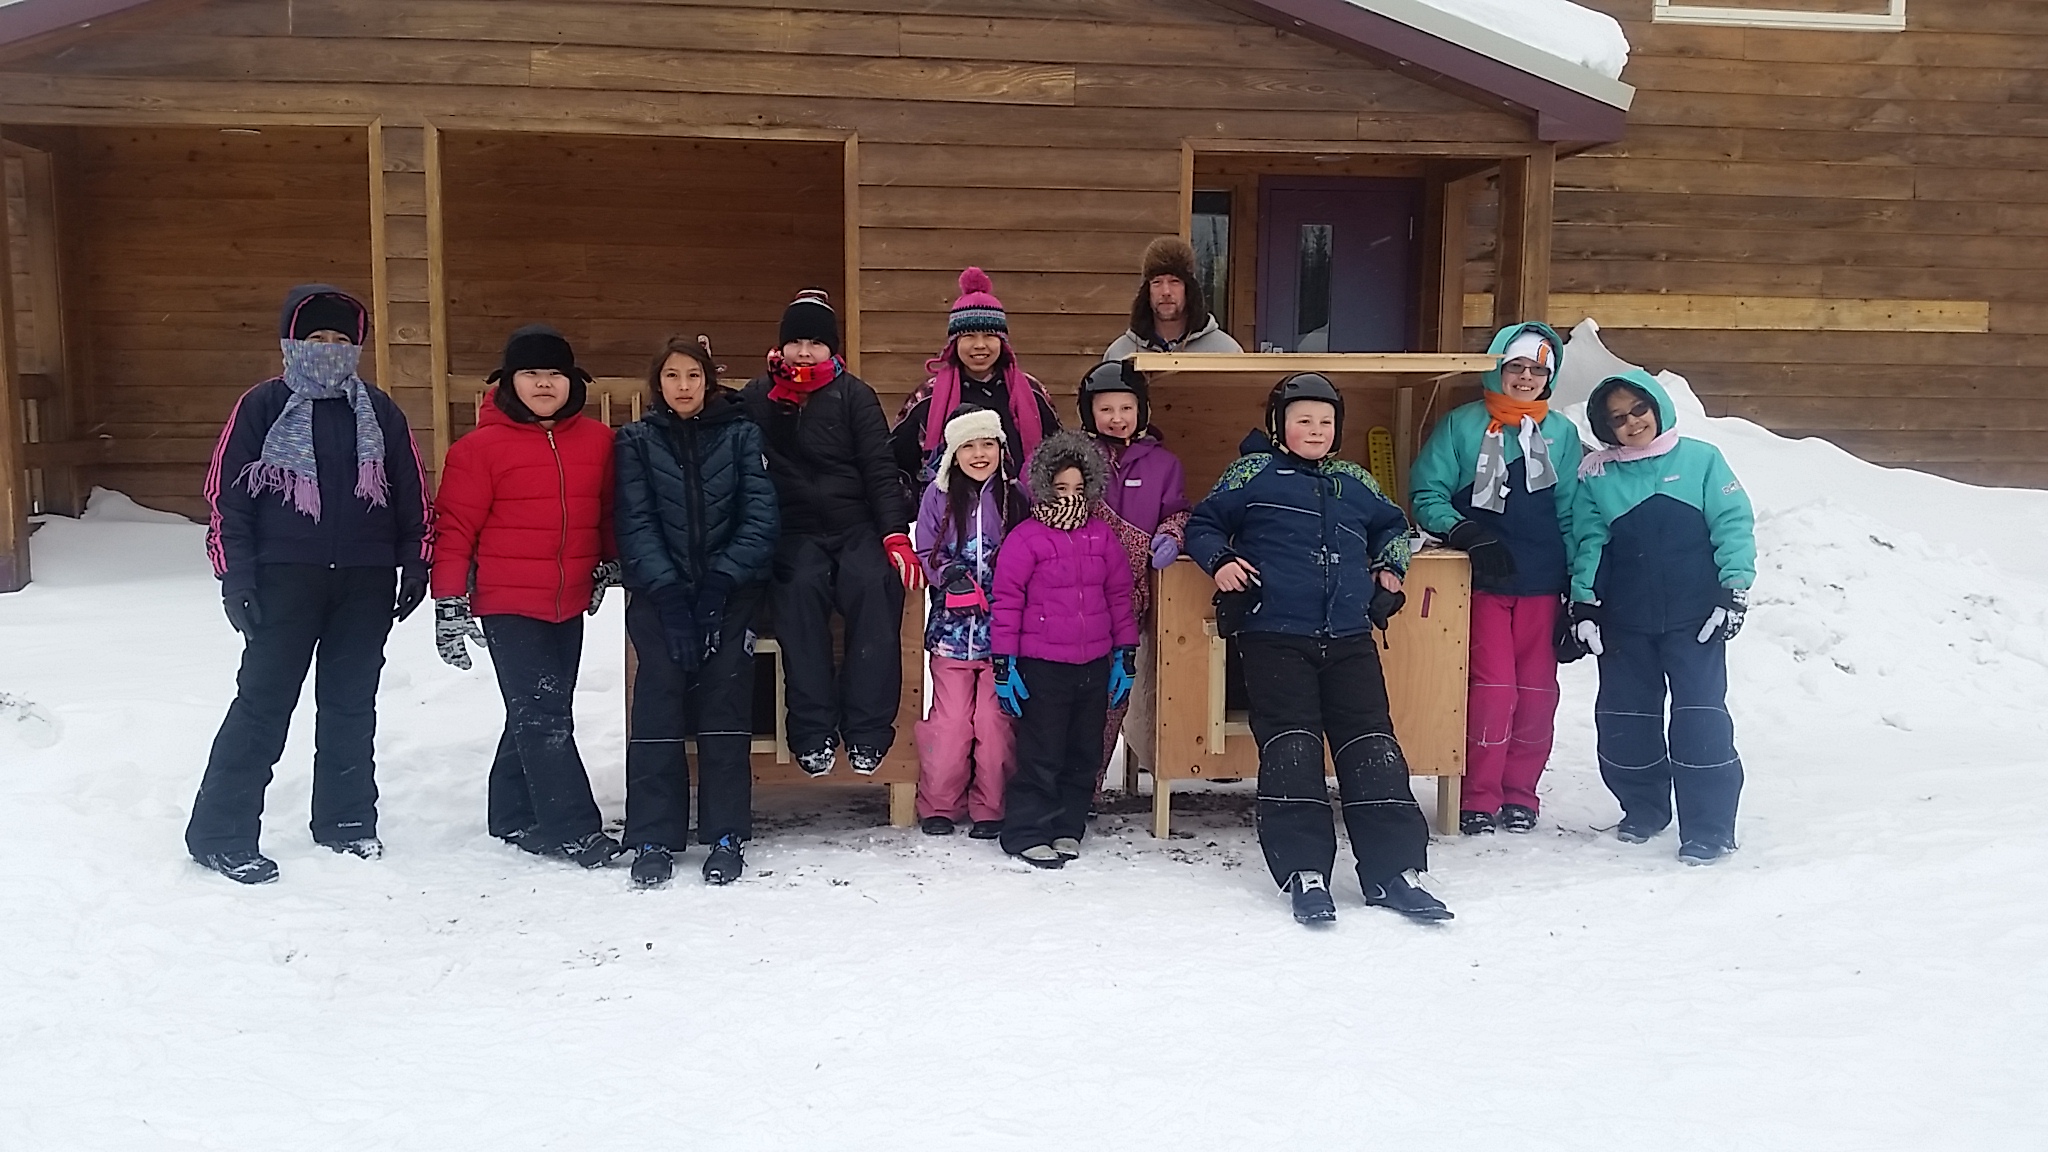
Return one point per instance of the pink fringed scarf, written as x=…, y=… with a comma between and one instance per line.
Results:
x=1595, y=463
x=944, y=390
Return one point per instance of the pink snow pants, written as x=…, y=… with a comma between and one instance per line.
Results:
x=966, y=748
x=1512, y=711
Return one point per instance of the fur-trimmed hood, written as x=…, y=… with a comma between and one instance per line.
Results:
x=1058, y=452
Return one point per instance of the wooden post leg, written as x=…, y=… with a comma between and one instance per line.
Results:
x=902, y=805
x=1447, y=789
x=1162, y=807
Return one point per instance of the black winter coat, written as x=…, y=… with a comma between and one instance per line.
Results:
x=831, y=459
x=244, y=531
x=694, y=497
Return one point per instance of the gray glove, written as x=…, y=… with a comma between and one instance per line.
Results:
x=605, y=575
x=453, y=625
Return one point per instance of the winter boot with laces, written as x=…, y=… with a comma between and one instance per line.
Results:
x=817, y=762
x=1398, y=893
x=725, y=863
x=866, y=761
x=593, y=851
x=653, y=866
x=366, y=847
x=241, y=867
x=1517, y=818
x=1475, y=823
x=1311, y=897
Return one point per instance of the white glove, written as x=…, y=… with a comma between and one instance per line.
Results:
x=1588, y=632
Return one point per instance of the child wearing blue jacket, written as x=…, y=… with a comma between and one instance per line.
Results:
x=1496, y=480
x=1664, y=556
x=1311, y=539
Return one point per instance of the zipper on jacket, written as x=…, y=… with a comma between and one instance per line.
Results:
x=693, y=488
x=562, y=549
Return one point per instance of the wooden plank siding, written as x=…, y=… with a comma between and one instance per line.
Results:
x=625, y=169
x=190, y=238
x=1833, y=168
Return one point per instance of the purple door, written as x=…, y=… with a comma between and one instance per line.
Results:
x=1337, y=267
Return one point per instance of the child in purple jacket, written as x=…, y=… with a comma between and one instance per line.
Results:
x=966, y=749
x=1065, y=648
x=1143, y=502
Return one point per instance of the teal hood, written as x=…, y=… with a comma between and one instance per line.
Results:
x=1641, y=381
x=1490, y=379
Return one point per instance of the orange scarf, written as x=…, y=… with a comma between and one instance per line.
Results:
x=1508, y=411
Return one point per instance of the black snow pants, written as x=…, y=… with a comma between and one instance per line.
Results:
x=715, y=704
x=333, y=620
x=1699, y=763
x=1059, y=747
x=538, y=784
x=1303, y=690
x=849, y=572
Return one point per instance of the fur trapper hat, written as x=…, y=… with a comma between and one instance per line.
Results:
x=1065, y=449
x=969, y=422
x=1175, y=257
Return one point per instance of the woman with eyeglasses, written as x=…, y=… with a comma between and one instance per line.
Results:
x=1665, y=554
x=1496, y=480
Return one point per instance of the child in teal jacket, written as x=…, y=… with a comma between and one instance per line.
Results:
x=1665, y=552
x=1496, y=479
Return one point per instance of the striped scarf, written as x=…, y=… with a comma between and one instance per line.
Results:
x=288, y=465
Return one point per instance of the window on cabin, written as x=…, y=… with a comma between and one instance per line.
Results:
x=1211, y=242
x=1822, y=15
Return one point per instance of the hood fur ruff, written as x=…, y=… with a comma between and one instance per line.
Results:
x=1058, y=452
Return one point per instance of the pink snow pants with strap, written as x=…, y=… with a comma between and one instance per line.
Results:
x=966, y=748
x=1512, y=711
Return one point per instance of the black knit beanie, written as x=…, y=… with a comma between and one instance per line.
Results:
x=810, y=317
x=313, y=308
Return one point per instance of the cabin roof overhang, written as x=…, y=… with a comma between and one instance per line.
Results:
x=1569, y=103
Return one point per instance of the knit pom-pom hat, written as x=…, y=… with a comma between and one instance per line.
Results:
x=977, y=309
x=969, y=422
x=810, y=317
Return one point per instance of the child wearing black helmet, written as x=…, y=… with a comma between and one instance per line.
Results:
x=1144, y=504
x=1323, y=552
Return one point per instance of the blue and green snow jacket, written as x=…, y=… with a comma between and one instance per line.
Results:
x=1536, y=526
x=1314, y=531
x=1657, y=539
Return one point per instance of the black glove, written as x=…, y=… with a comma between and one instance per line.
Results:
x=1583, y=621
x=678, y=626
x=412, y=592
x=1565, y=638
x=1385, y=603
x=1492, y=563
x=1727, y=617
x=244, y=613
x=710, y=614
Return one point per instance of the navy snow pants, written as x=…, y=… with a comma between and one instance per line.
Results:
x=1697, y=763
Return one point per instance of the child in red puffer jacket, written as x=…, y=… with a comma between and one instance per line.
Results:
x=526, y=545
x=1065, y=647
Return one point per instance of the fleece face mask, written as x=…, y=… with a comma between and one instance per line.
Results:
x=316, y=371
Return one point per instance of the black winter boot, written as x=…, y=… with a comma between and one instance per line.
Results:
x=1397, y=893
x=1633, y=831
x=593, y=851
x=865, y=760
x=725, y=863
x=1311, y=898
x=653, y=867
x=1703, y=852
x=367, y=847
x=241, y=867
x=1517, y=818
x=985, y=830
x=1475, y=823
x=936, y=826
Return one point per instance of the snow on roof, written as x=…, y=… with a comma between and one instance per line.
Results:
x=1557, y=30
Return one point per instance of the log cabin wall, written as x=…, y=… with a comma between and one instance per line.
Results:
x=1876, y=198
x=1041, y=139
x=189, y=240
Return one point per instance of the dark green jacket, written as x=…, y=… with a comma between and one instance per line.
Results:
x=694, y=497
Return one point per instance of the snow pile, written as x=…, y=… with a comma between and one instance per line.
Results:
x=1831, y=985
x=1568, y=31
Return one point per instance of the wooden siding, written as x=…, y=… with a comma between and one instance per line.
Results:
x=1818, y=173
x=1041, y=139
x=191, y=238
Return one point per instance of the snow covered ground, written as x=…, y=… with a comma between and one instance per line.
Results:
x=1868, y=972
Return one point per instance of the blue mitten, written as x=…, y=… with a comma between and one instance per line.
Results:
x=1123, y=672
x=1010, y=690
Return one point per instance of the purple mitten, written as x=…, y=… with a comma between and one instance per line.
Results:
x=1165, y=550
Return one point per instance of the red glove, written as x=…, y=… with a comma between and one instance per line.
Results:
x=908, y=568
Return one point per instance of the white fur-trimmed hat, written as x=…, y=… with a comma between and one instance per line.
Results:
x=967, y=424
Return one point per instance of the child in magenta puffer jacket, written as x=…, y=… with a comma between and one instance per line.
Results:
x=1065, y=646
x=966, y=748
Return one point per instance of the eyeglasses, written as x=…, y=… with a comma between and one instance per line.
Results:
x=1640, y=410
x=1524, y=368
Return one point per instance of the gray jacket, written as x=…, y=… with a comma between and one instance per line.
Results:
x=1211, y=338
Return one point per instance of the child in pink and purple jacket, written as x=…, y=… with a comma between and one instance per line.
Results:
x=1065, y=644
x=965, y=747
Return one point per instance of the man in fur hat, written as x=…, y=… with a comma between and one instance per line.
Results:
x=1170, y=313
